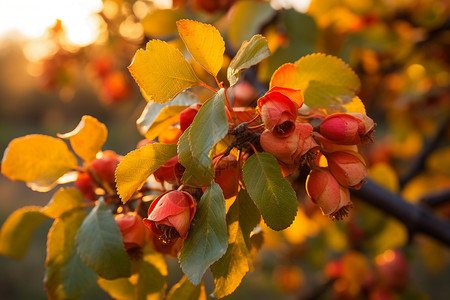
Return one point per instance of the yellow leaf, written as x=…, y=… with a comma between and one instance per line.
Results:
x=385, y=175
x=393, y=235
x=161, y=22
x=204, y=42
x=302, y=228
x=161, y=71
x=355, y=106
x=87, y=138
x=38, y=160
x=138, y=165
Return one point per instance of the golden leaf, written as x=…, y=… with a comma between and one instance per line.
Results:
x=204, y=42
x=87, y=138
x=161, y=71
x=37, y=159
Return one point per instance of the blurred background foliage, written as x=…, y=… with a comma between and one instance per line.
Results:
x=60, y=60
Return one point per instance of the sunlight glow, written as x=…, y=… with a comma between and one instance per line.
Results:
x=31, y=18
x=299, y=5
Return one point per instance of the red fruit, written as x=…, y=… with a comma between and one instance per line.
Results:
x=244, y=94
x=132, y=230
x=227, y=176
x=86, y=186
x=348, y=168
x=104, y=168
x=171, y=171
x=328, y=194
x=213, y=6
x=333, y=269
x=291, y=148
x=170, y=215
x=278, y=111
x=392, y=268
x=116, y=87
x=188, y=115
x=346, y=129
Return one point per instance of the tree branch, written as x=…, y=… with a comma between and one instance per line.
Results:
x=436, y=199
x=416, y=218
x=419, y=164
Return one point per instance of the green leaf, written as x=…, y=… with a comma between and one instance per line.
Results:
x=16, y=232
x=301, y=31
x=209, y=126
x=161, y=71
x=207, y=240
x=250, y=53
x=37, y=159
x=138, y=165
x=246, y=20
x=229, y=270
x=271, y=192
x=100, y=246
x=66, y=276
x=185, y=290
x=156, y=117
x=64, y=200
x=152, y=276
x=325, y=80
x=119, y=289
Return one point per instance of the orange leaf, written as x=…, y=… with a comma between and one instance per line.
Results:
x=283, y=76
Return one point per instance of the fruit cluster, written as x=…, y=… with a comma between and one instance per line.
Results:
x=97, y=178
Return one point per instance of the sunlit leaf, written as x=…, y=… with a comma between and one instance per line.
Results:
x=37, y=159
x=355, y=106
x=87, y=138
x=250, y=53
x=119, y=289
x=162, y=22
x=324, y=79
x=156, y=117
x=138, y=165
x=229, y=270
x=393, y=235
x=161, y=71
x=100, y=246
x=204, y=42
x=210, y=125
x=207, y=240
x=64, y=200
x=66, y=276
x=439, y=161
x=152, y=279
x=385, y=175
x=16, y=232
x=271, y=192
x=185, y=290
x=284, y=75
x=246, y=20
